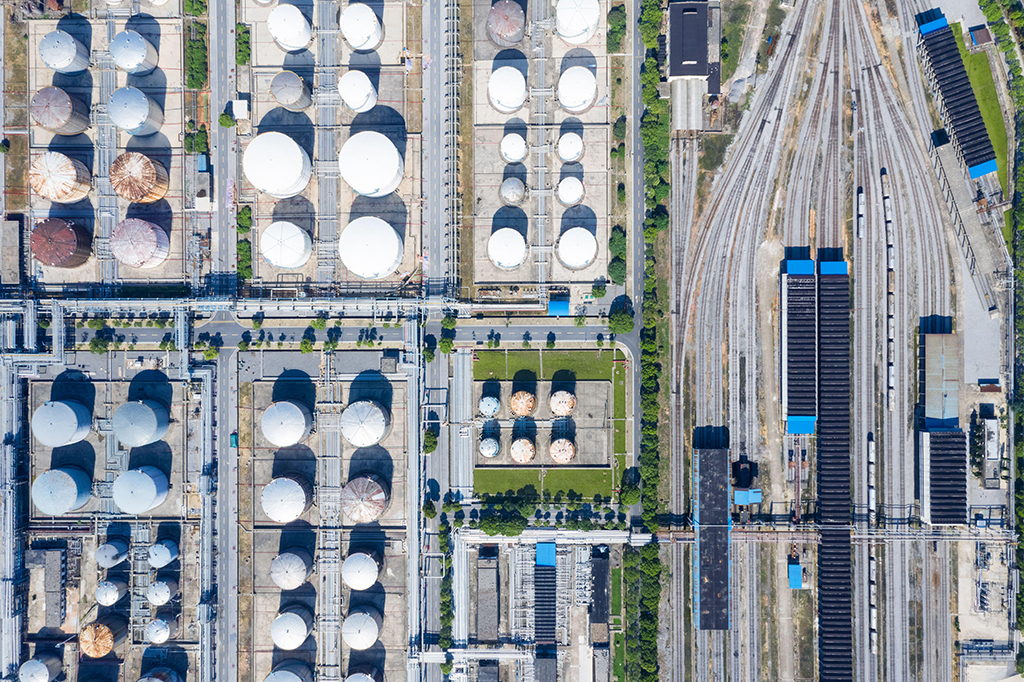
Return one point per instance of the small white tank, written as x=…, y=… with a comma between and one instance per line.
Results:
x=111, y=553
x=287, y=498
x=570, y=148
x=286, y=423
x=506, y=248
x=362, y=628
x=291, y=670
x=291, y=91
x=489, y=405
x=43, y=667
x=162, y=591
x=160, y=630
x=140, y=422
x=63, y=53
x=577, y=89
x=162, y=553
x=360, y=570
x=109, y=592
x=134, y=54
x=60, y=491
x=357, y=91
x=289, y=28
x=291, y=568
x=512, y=148
x=570, y=191
x=292, y=627
x=285, y=245
x=361, y=28
x=489, y=447
x=506, y=89
x=513, y=192
x=364, y=673
x=135, y=112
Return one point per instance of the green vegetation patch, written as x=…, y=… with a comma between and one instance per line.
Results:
x=196, y=58
x=243, y=46
x=616, y=606
x=619, y=658
x=979, y=72
x=585, y=364
x=586, y=482
x=772, y=24
x=735, y=15
x=616, y=27
x=715, y=147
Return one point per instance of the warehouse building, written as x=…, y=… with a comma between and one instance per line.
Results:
x=713, y=524
x=693, y=61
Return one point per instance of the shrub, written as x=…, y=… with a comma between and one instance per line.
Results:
x=617, y=270
x=43, y=323
x=243, y=345
x=244, y=250
x=428, y=354
x=616, y=27
x=98, y=346
x=211, y=353
x=429, y=509
x=196, y=8
x=449, y=322
x=599, y=290
x=619, y=128
x=196, y=56
x=243, y=47
x=5, y=146
x=306, y=346
x=429, y=441
x=226, y=120
x=319, y=324
x=621, y=321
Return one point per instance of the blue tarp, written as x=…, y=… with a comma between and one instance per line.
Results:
x=796, y=578
x=800, y=424
x=983, y=169
x=558, y=307
x=833, y=267
x=545, y=554
x=799, y=267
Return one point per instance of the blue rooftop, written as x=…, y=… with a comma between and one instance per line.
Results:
x=799, y=267
x=833, y=267
x=931, y=21
x=745, y=497
x=800, y=424
x=558, y=307
x=983, y=169
x=545, y=554
x=796, y=578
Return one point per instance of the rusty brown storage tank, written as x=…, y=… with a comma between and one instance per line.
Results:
x=60, y=243
x=59, y=112
x=59, y=178
x=139, y=243
x=136, y=177
x=99, y=638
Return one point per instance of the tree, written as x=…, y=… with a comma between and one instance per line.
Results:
x=449, y=322
x=319, y=324
x=629, y=496
x=428, y=354
x=619, y=128
x=211, y=353
x=226, y=120
x=599, y=290
x=445, y=345
x=257, y=323
x=244, y=251
x=429, y=441
x=617, y=270
x=621, y=321
x=429, y=509
x=243, y=46
x=243, y=220
x=43, y=323
x=306, y=346
x=581, y=321
x=5, y=146
x=243, y=345
x=98, y=345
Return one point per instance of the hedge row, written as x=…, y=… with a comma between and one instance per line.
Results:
x=641, y=576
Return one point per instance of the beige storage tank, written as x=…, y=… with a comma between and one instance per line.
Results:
x=99, y=638
x=523, y=450
x=570, y=148
x=59, y=178
x=562, y=450
x=138, y=178
x=140, y=244
x=523, y=403
x=562, y=403
x=59, y=112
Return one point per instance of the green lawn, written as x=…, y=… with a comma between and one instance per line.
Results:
x=734, y=14
x=619, y=404
x=979, y=71
x=587, y=365
x=616, y=606
x=619, y=658
x=586, y=482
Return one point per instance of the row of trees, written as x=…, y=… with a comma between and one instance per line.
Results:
x=196, y=58
x=641, y=577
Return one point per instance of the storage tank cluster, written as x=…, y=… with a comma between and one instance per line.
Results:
x=523, y=449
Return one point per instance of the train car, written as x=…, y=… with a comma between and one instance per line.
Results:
x=890, y=306
x=892, y=282
x=860, y=212
x=874, y=642
x=890, y=257
x=871, y=452
x=873, y=569
x=892, y=399
x=885, y=183
x=888, y=231
x=892, y=349
x=892, y=376
x=887, y=208
x=892, y=329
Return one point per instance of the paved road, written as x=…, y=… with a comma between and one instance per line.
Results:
x=223, y=143
x=437, y=148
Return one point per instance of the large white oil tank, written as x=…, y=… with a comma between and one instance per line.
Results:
x=160, y=630
x=162, y=553
x=140, y=422
x=286, y=245
x=58, y=178
x=291, y=670
x=489, y=447
x=160, y=674
x=357, y=91
x=365, y=498
x=289, y=28
x=512, y=192
x=361, y=28
x=135, y=112
x=576, y=20
x=43, y=667
x=287, y=497
x=506, y=248
x=110, y=591
x=570, y=191
x=364, y=673
x=371, y=248
x=141, y=490
x=291, y=568
x=162, y=591
x=361, y=570
x=362, y=627
x=506, y=89
x=60, y=491
x=59, y=112
x=292, y=627
x=489, y=405
x=577, y=89
x=133, y=54
x=512, y=148
x=61, y=422
x=63, y=53
x=138, y=243
x=577, y=248
x=506, y=23
x=111, y=553
x=570, y=148
x=371, y=164
x=276, y=165
x=291, y=91
x=286, y=423
x=365, y=423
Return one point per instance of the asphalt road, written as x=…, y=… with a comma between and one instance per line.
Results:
x=223, y=142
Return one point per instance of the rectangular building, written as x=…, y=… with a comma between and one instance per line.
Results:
x=599, y=575
x=944, y=471
x=487, y=596
x=544, y=594
x=941, y=381
x=799, y=345
x=712, y=523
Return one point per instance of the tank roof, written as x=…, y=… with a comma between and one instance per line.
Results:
x=513, y=191
x=134, y=175
x=33, y=670
x=570, y=147
x=130, y=50
x=51, y=107
x=287, y=87
x=364, y=499
x=577, y=89
x=285, y=498
x=139, y=243
x=361, y=28
x=161, y=591
x=58, y=49
x=523, y=451
x=286, y=245
x=56, y=176
x=158, y=631
x=109, y=592
x=562, y=451
x=129, y=108
x=506, y=248
x=489, y=447
x=286, y=423
x=290, y=628
x=577, y=247
x=96, y=639
x=371, y=248
x=162, y=553
x=289, y=27
x=371, y=164
x=523, y=403
x=562, y=403
x=570, y=190
x=360, y=571
x=60, y=422
x=290, y=569
x=357, y=91
x=140, y=422
x=274, y=163
x=506, y=89
x=489, y=405
x=364, y=423
x=576, y=20
x=136, y=491
x=506, y=23
x=362, y=627
x=59, y=491
x=111, y=553
x=513, y=148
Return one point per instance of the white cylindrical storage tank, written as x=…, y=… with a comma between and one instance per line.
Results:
x=523, y=450
x=134, y=112
x=162, y=591
x=59, y=112
x=506, y=89
x=361, y=28
x=133, y=54
x=570, y=148
x=506, y=248
x=576, y=20
x=141, y=490
x=291, y=91
x=63, y=490
x=61, y=422
x=562, y=450
x=291, y=670
x=365, y=423
x=489, y=447
x=365, y=498
x=111, y=553
x=43, y=667
x=286, y=423
x=289, y=28
x=371, y=248
x=287, y=498
x=570, y=191
x=160, y=630
x=59, y=178
x=364, y=673
x=160, y=674
x=577, y=89
x=371, y=164
x=291, y=568
x=99, y=638
x=562, y=403
x=291, y=627
x=512, y=148
x=489, y=405
x=109, y=592
x=63, y=53
x=357, y=91
x=139, y=243
x=513, y=192
x=140, y=422
x=162, y=553
x=523, y=403
x=506, y=23
x=577, y=248
x=276, y=165
x=286, y=245
x=362, y=627
x=360, y=570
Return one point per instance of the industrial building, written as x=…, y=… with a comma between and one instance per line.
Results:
x=941, y=443
x=693, y=64
x=711, y=601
